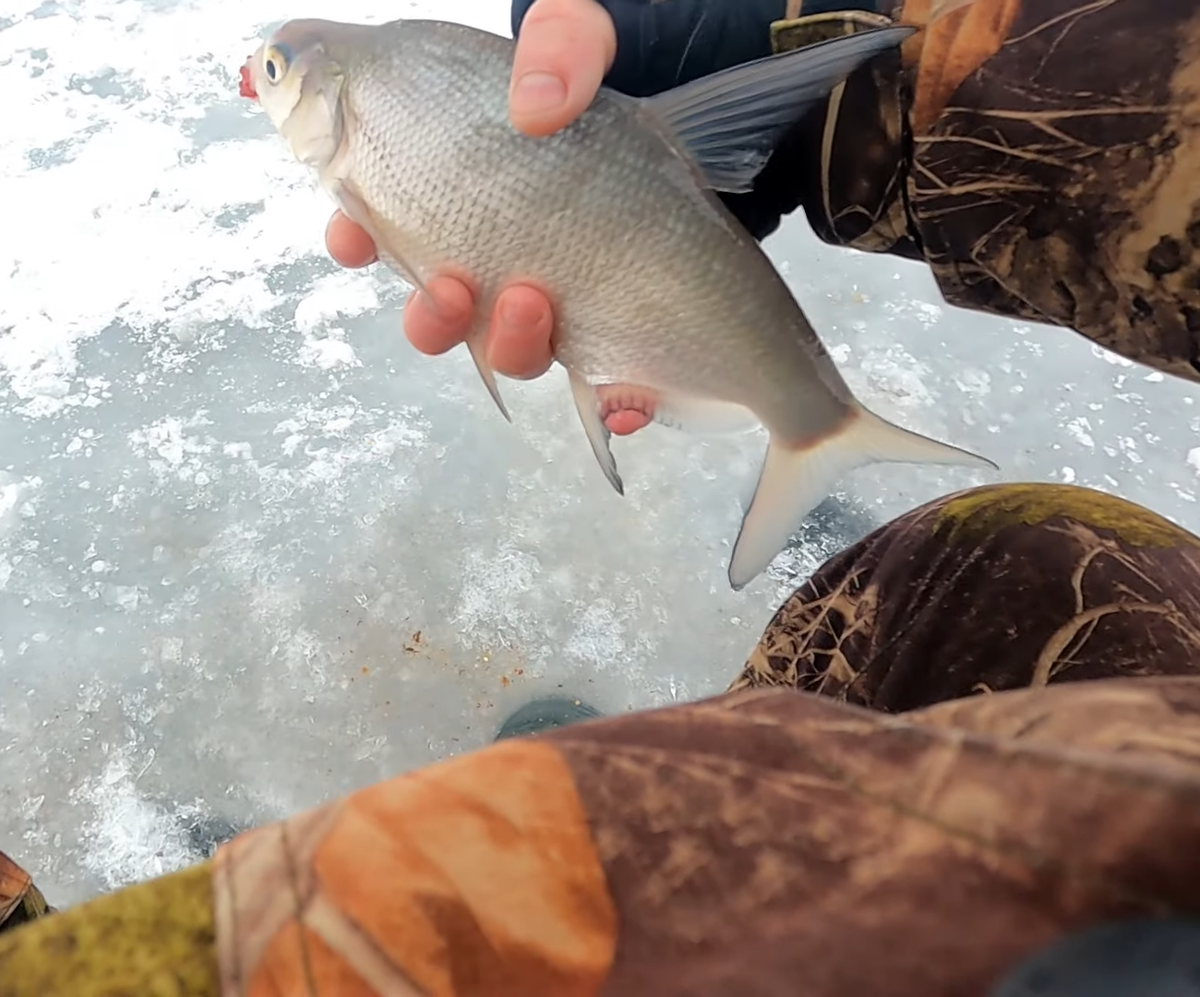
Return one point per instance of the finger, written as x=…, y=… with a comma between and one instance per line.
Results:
x=347, y=243
x=564, y=48
x=437, y=325
x=626, y=422
x=522, y=324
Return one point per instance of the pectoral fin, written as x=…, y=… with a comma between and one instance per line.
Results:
x=730, y=122
x=356, y=209
x=588, y=406
x=477, y=346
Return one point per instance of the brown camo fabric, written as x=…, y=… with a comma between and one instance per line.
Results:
x=1043, y=156
x=995, y=588
x=20, y=900
x=1056, y=167
x=770, y=843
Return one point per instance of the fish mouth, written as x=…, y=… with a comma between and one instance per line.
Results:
x=245, y=83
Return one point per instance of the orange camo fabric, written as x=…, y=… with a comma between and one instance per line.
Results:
x=764, y=842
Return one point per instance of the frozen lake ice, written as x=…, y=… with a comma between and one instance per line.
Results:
x=256, y=552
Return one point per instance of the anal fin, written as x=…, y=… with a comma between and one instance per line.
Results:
x=673, y=409
x=703, y=416
x=477, y=347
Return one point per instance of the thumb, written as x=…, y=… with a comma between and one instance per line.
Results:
x=564, y=49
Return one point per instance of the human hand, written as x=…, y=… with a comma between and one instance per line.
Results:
x=564, y=49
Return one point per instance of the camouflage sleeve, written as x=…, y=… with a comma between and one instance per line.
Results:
x=1042, y=157
x=734, y=845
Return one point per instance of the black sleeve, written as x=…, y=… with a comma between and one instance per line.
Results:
x=664, y=43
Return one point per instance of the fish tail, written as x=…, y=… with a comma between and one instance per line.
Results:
x=477, y=346
x=795, y=479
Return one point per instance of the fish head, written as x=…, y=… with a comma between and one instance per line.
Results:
x=296, y=77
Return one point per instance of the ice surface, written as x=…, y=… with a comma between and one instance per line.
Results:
x=256, y=552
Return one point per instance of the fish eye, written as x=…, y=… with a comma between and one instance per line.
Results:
x=274, y=65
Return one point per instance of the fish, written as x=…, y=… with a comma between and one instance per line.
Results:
x=659, y=293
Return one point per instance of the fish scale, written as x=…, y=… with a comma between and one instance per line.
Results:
x=503, y=206
x=656, y=286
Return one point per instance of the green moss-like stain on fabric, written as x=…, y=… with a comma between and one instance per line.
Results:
x=985, y=511
x=155, y=939
x=811, y=29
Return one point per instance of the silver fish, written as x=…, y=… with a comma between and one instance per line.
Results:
x=656, y=286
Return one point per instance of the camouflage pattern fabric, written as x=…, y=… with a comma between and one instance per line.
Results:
x=1073, y=197
x=20, y=900
x=997, y=588
x=1040, y=155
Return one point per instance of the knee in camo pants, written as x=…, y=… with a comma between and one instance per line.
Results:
x=1000, y=587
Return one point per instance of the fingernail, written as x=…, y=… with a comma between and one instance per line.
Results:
x=518, y=312
x=539, y=91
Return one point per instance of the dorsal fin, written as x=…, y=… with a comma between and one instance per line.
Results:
x=730, y=122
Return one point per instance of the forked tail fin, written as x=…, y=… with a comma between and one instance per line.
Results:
x=793, y=481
